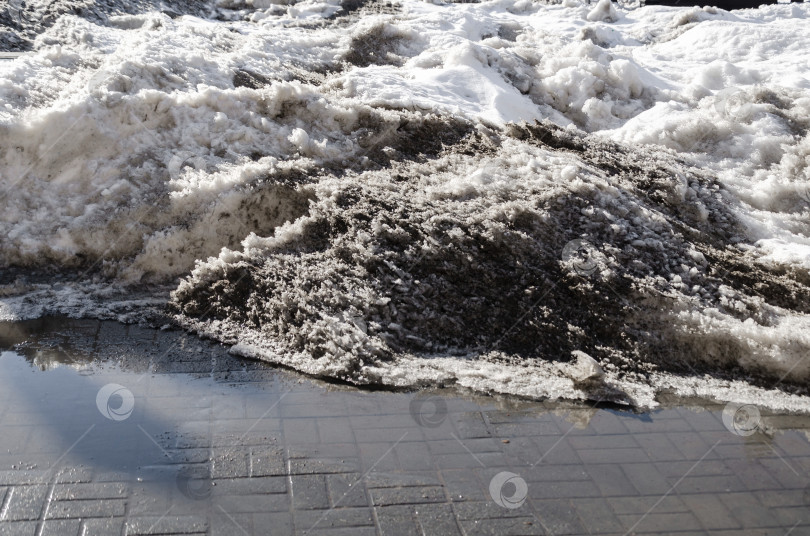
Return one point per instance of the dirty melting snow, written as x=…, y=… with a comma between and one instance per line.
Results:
x=546, y=200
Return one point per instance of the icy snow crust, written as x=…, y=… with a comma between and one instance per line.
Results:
x=546, y=200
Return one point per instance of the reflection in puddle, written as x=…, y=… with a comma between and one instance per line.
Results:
x=159, y=431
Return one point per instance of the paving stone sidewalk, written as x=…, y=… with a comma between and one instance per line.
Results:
x=212, y=444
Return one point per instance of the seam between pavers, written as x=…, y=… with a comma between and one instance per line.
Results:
x=6, y=502
x=537, y=517
x=127, y=508
x=43, y=513
x=440, y=478
x=288, y=478
x=374, y=516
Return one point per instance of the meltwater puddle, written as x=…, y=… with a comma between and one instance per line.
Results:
x=104, y=425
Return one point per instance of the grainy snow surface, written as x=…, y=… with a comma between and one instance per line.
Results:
x=542, y=199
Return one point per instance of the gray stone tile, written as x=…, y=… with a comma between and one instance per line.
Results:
x=618, y=455
x=559, y=516
x=380, y=456
x=517, y=526
x=455, y=446
x=232, y=523
x=519, y=451
x=90, y=490
x=486, y=510
x=346, y=490
x=228, y=407
x=711, y=512
x=102, y=527
x=19, y=528
x=61, y=527
x=599, y=442
x=659, y=447
x=790, y=517
x=376, y=479
x=462, y=485
x=397, y=521
x=230, y=464
x=610, y=479
x=414, y=457
x=334, y=518
x=74, y=475
x=462, y=460
x=765, y=531
x=80, y=509
x=309, y=492
x=322, y=407
x=692, y=446
x=607, y=423
x=308, y=466
x=783, y=472
x=389, y=435
x=335, y=430
x=646, y=479
x=775, y=497
x=710, y=484
x=555, y=450
x=639, y=506
x=472, y=425
x=266, y=462
x=250, y=504
x=16, y=477
x=705, y=467
x=669, y=425
x=169, y=524
x=437, y=519
x=754, y=476
x=597, y=516
x=275, y=523
x=24, y=503
x=352, y=531
x=408, y=495
x=556, y=489
x=321, y=450
x=250, y=486
x=299, y=431
x=403, y=421
x=548, y=473
x=659, y=522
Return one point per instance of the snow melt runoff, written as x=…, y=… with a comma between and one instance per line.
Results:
x=549, y=200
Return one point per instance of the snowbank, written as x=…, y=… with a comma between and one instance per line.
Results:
x=362, y=191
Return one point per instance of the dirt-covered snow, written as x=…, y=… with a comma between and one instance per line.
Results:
x=542, y=199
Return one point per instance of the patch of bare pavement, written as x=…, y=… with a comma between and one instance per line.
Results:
x=114, y=429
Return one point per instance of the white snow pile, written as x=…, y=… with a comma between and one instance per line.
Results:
x=541, y=199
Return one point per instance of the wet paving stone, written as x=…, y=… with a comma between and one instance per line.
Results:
x=99, y=436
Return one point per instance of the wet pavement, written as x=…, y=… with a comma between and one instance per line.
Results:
x=114, y=429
